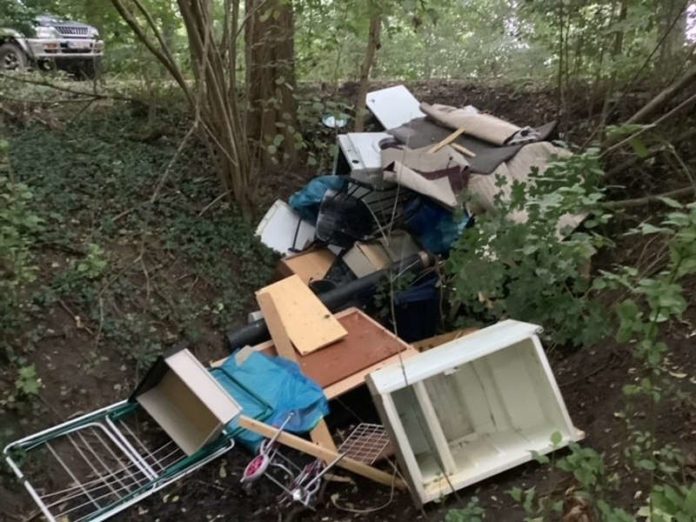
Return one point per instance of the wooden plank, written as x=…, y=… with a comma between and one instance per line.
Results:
x=320, y=434
x=308, y=323
x=358, y=379
x=308, y=266
x=280, y=338
x=313, y=450
x=437, y=340
x=463, y=150
x=366, y=344
x=317, y=364
x=449, y=139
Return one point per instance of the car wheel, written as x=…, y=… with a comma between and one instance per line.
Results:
x=12, y=58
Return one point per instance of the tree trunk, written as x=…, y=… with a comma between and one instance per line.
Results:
x=659, y=101
x=213, y=98
x=270, y=78
x=615, y=53
x=373, y=44
x=672, y=14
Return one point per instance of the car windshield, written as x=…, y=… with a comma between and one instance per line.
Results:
x=46, y=20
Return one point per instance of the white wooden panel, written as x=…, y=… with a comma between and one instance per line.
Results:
x=438, y=437
x=482, y=404
x=393, y=106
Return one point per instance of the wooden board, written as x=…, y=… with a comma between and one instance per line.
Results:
x=307, y=447
x=358, y=379
x=275, y=326
x=308, y=266
x=366, y=344
x=308, y=323
x=349, y=377
x=320, y=434
x=432, y=342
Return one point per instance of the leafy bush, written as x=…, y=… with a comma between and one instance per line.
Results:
x=527, y=271
x=472, y=512
x=18, y=226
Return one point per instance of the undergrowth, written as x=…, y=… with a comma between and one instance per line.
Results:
x=521, y=261
x=134, y=272
x=533, y=270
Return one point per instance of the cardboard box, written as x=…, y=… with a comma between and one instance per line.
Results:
x=365, y=258
x=309, y=266
x=185, y=400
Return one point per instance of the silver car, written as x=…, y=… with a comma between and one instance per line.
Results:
x=53, y=42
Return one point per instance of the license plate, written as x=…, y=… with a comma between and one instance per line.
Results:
x=80, y=45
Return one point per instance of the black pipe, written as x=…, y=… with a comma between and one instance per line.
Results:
x=350, y=294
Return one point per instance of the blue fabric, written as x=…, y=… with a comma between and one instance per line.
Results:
x=417, y=310
x=436, y=228
x=306, y=200
x=265, y=383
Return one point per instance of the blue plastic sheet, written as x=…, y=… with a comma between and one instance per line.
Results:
x=306, y=200
x=271, y=388
x=436, y=228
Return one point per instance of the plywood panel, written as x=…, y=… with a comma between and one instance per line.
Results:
x=308, y=323
x=358, y=379
x=213, y=396
x=320, y=434
x=308, y=266
x=366, y=344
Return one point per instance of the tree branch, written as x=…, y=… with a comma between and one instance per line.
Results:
x=162, y=56
x=60, y=88
x=639, y=202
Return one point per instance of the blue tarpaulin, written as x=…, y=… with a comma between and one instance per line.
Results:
x=271, y=388
x=306, y=201
x=436, y=228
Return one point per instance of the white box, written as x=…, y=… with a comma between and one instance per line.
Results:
x=471, y=408
x=363, y=154
x=186, y=401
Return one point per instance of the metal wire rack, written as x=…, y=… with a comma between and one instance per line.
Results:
x=366, y=443
x=92, y=467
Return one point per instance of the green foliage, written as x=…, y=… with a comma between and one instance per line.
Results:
x=26, y=389
x=135, y=276
x=472, y=512
x=420, y=40
x=318, y=140
x=537, y=508
x=526, y=270
x=19, y=225
x=655, y=300
x=671, y=504
x=592, y=492
x=28, y=382
x=586, y=465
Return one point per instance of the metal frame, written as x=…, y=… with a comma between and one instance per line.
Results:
x=366, y=443
x=108, y=465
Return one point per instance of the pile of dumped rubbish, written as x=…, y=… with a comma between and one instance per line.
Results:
x=443, y=412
